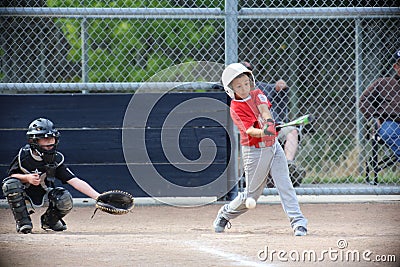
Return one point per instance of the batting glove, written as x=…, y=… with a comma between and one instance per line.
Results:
x=269, y=128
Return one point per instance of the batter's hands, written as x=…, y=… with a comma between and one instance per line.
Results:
x=269, y=128
x=270, y=133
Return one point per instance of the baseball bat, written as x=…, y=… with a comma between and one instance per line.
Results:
x=303, y=120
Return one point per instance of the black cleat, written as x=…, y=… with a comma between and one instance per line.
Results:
x=58, y=226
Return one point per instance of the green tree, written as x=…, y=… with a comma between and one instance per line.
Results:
x=132, y=50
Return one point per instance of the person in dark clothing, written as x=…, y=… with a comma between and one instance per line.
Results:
x=381, y=100
x=31, y=177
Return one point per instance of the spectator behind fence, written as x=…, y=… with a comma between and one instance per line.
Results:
x=381, y=100
x=288, y=136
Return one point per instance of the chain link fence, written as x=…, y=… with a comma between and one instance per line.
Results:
x=328, y=52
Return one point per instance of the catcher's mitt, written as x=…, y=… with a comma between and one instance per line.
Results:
x=115, y=202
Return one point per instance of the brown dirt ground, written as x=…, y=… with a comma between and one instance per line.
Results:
x=170, y=236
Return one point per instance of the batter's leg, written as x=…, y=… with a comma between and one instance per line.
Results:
x=257, y=163
x=290, y=204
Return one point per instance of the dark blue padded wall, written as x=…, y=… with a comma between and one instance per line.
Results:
x=91, y=138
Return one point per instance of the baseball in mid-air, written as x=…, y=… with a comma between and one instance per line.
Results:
x=250, y=203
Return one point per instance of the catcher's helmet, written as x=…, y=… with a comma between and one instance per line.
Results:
x=42, y=128
x=230, y=73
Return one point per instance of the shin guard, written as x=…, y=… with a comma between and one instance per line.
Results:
x=13, y=190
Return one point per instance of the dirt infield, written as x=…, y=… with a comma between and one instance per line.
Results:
x=339, y=234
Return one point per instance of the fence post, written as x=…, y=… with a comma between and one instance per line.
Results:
x=231, y=31
x=293, y=75
x=231, y=56
x=85, y=55
x=359, y=89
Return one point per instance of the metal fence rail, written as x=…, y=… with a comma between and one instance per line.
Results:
x=327, y=54
x=102, y=13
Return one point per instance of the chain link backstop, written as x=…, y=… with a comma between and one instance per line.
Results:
x=328, y=52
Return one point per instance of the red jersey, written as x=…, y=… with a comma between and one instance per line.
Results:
x=245, y=114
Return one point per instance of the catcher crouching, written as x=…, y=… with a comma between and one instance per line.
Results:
x=31, y=177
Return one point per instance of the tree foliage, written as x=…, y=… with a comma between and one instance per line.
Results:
x=132, y=50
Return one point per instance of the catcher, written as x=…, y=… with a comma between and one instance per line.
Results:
x=32, y=176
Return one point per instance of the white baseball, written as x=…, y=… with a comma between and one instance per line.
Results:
x=250, y=203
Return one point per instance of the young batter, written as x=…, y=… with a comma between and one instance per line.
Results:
x=261, y=153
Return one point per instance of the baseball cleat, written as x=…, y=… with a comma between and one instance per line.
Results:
x=25, y=229
x=300, y=231
x=58, y=226
x=220, y=223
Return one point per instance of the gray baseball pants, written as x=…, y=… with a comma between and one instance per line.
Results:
x=258, y=162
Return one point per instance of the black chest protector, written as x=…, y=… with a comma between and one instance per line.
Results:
x=29, y=163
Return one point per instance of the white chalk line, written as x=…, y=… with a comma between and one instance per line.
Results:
x=234, y=259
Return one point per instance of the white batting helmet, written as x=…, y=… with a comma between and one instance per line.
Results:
x=231, y=72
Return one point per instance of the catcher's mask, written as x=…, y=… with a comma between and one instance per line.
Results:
x=43, y=128
x=230, y=73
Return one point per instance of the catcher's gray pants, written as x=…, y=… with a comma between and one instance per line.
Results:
x=258, y=162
